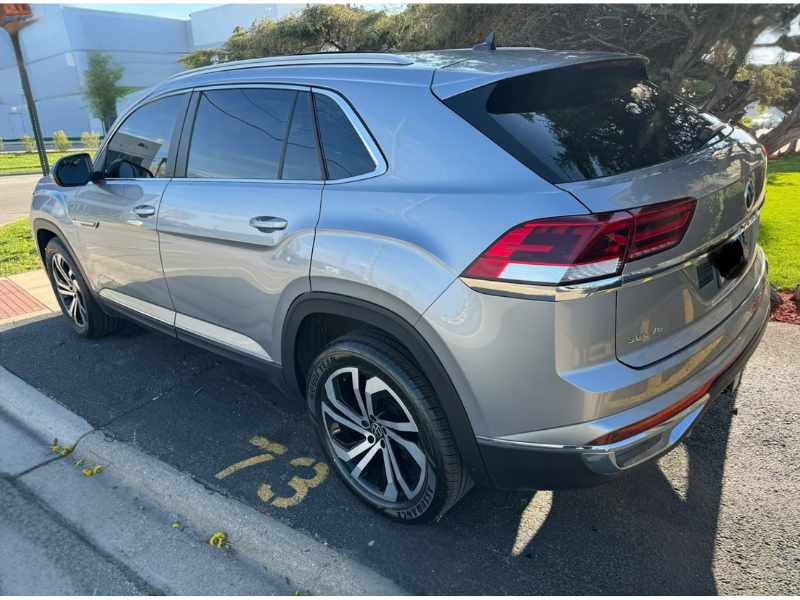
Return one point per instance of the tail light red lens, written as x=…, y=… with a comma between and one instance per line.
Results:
x=660, y=227
x=568, y=250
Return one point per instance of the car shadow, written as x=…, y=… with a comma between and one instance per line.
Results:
x=653, y=532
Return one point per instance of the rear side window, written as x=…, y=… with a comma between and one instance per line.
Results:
x=344, y=150
x=140, y=147
x=582, y=122
x=253, y=134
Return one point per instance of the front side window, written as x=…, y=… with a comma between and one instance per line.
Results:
x=140, y=147
x=254, y=134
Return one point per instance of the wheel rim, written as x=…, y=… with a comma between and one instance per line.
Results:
x=375, y=439
x=68, y=291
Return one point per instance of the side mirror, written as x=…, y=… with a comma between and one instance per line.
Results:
x=73, y=170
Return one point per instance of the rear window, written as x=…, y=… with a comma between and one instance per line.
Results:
x=583, y=122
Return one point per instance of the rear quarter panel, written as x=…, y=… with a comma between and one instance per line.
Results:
x=400, y=239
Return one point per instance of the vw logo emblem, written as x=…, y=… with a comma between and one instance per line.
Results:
x=749, y=194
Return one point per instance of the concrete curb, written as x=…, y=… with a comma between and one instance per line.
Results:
x=258, y=538
x=43, y=417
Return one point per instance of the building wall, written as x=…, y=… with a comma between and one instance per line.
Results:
x=56, y=51
x=212, y=26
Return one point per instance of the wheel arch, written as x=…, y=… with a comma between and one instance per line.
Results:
x=44, y=231
x=351, y=313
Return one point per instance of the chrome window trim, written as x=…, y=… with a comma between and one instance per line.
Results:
x=625, y=280
x=237, y=180
x=131, y=109
x=250, y=86
x=376, y=155
x=366, y=138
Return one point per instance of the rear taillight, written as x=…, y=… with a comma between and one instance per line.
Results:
x=568, y=250
x=660, y=227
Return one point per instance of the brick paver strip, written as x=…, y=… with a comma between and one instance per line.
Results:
x=15, y=301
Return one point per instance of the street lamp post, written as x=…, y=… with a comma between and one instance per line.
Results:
x=14, y=17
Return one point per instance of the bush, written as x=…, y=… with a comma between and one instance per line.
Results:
x=91, y=140
x=746, y=121
x=2, y=145
x=28, y=143
x=61, y=142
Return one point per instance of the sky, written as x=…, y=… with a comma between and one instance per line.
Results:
x=176, y=11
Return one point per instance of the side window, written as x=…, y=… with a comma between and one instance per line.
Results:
x=243, y=133
x=140, y=147
x=344, y=150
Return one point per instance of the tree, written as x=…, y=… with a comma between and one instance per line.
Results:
x=695, y=50
x=101, y=90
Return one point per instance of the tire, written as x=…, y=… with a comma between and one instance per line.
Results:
x=80, y=308
x=390, y=443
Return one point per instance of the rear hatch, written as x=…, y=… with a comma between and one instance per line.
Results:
x=600, y=131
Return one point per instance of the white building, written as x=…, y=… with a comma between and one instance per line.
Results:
x=56, y=50
x=212, y=26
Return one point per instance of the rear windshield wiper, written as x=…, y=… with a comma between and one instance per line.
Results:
x=706, y=134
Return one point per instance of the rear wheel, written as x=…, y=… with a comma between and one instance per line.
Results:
x=78, y=305
x=384, y=430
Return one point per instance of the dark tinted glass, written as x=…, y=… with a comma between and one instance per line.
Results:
x=574, y=123
x=302, y=160
x=140, y=147
x=240, y=133
x=344, y=151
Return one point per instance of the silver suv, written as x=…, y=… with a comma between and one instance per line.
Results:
x=525, y=268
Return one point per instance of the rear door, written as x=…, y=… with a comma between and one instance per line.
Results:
x=237, y=222
x=602, y=132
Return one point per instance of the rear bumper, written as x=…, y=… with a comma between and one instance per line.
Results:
x=526, y=465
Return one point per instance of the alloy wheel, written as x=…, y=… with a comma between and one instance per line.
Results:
x=373, y=435
x=68, y=291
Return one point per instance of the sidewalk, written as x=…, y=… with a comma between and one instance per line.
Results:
x=138, y=525
x=26, y=295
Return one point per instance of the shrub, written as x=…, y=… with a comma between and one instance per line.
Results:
x=61, y=142
x=2, y=145
x=28, y=143
x=91, y=140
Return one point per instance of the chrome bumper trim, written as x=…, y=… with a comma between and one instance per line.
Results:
x=616, y=458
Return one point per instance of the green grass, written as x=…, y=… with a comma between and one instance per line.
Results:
x=779, y=233
x=28, y=163
x=17, y=250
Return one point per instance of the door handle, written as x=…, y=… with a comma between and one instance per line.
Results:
x=144, y=211
x=268, y=223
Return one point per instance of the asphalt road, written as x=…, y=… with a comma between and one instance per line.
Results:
x=719, y=515
x=15, y=196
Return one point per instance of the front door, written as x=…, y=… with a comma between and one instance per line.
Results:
x=117, y=213
x=237, y=231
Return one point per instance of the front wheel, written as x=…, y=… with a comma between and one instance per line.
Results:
x=79, y=307
x=384, y=429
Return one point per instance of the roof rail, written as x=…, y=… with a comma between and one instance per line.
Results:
x=322, y=58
